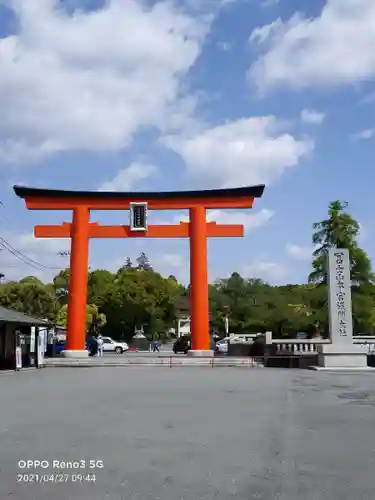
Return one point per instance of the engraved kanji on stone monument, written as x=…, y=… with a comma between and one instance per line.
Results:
x=340, y=302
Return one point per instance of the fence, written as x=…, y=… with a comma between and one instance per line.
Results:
x=309, y=347
x=173, y=361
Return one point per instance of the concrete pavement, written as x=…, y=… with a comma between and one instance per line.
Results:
x=190, y=434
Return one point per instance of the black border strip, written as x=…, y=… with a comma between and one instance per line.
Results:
x=250, y=191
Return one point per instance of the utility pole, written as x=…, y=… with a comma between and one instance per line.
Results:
x=226, y=320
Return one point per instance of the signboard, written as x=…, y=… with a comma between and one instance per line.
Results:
x=138, y=216
x=339, y=299
x=18, y=358
x=32, y=340
x=40, y=347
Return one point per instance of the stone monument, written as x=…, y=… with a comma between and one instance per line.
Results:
x=341, y=352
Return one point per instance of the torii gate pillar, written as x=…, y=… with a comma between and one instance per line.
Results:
x=199, y=323
x=79, y=263
x=81, y=230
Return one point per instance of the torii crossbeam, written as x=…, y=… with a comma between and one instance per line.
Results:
x=80, y=230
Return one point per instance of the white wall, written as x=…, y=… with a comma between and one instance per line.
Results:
x=183, y=326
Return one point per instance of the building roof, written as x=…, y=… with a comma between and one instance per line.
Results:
x=250, y=191
x=182, y=307
x=11, y=316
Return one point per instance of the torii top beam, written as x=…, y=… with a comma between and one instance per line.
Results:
x=56, y=199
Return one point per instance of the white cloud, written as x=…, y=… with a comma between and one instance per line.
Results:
x=312, y=117
x=175, y=260
x=228, y=2
x=337, y=47
x=363, y=134
x=243, y=152
x=300, y=252
x=173, y=263
x=269, y=3
x=226, y=46
x=262, y=34
x=88, y=81
x=267, y=270
x=45, y=253
x=363, y=233
x=209, y=4
x=250, y=220
x=181, y=115
x=128, y=178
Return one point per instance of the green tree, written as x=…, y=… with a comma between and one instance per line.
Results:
x=91, y=313
x=98, y=281
x=339, y=230
x=139, y=298
x=143, y=262
x=61, y=285
x=246, y=303
x=31, y=280
x=30, y=297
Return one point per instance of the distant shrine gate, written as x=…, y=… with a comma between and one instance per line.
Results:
x=80, y=230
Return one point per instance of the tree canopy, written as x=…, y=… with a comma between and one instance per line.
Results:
x=339, y=230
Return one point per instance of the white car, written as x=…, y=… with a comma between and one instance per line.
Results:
x=222, y=345
x=110, y=345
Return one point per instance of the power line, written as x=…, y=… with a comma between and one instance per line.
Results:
x=24, y=258
x=21, y=256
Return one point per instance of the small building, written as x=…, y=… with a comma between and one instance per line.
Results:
x=58, y=333
x=182, y=312
x=19, y=330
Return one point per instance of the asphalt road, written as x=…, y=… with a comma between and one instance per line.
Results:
x=189, y=434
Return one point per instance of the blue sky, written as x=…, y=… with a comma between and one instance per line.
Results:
x=141, y=95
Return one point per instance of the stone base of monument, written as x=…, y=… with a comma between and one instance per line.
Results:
x=341, y=357
x=200, y=354
x=75, y=354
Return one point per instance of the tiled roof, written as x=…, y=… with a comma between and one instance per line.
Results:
x=11, y=316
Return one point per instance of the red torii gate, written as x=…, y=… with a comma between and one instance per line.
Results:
x=80, y=230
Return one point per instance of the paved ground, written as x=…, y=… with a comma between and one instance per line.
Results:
x=190, y=434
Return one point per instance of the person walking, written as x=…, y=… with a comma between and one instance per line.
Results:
x=100, y=346
x=155, y=345
x=93, y=346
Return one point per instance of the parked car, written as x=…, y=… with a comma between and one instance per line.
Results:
x=182, y=344
x=222, y=345
x=110, y=345
x=60, y=345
